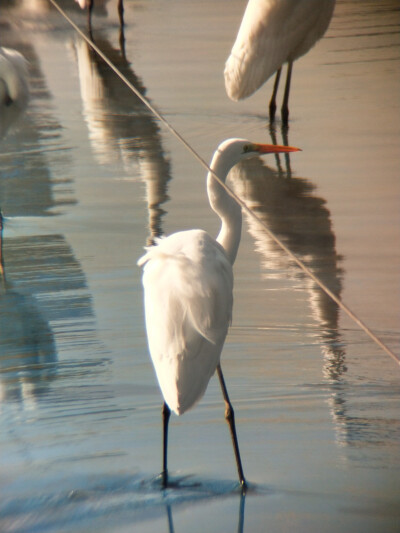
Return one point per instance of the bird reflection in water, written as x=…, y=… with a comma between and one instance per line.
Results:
x=240, y=523
x=27, y=349
x=89, y=5
x=302, y=221
x=121, y=128
x=43, y=297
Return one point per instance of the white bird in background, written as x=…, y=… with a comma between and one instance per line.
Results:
x=14, y=88
x=188, y=282
x=273, y=32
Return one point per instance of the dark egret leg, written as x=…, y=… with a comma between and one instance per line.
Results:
x=121, y=13
x=89, y=17
x=166, y=413
x=285, y=106
x=121, y=28
x=272, y=103
x=230, y=418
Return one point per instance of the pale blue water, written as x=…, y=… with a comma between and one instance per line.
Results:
x=88, y=174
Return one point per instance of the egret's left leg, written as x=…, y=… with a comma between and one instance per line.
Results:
x=230, y=418
x=121, y=12
x=166, y=413
x=272, y=103
x=89, y=16
x=121, y=28
x=285, y=104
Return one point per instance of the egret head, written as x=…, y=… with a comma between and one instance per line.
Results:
x=235, y=150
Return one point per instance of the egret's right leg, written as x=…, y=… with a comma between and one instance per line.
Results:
x=166, y=413
x=121, y=28
x=230, y=418
x=285, y=105
x=272, y=103
x=89, y=16
x=121, y=13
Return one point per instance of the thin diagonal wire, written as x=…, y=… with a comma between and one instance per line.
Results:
x=243, y=205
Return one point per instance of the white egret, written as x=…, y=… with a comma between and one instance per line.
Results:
x=188, y=284
x=14, y=88
x=273, y=32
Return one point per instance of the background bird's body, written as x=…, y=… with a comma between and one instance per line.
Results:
x=273, y=32
x=14, y=88
x=84, y=4
x=188, y=285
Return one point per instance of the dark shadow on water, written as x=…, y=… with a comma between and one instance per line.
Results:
x=115, y=500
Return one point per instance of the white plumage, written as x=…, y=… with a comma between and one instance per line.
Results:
x=188, y=284
x=273, y=32
x=14, y=88
x=84, y=4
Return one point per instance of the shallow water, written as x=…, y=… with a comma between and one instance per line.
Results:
x=88, y=176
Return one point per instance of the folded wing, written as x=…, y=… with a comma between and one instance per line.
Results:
x=188, y=285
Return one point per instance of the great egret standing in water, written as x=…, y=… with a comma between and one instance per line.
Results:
x=188, y=284
x=14, y=88
x=273, y=32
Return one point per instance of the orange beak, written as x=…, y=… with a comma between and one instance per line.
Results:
x=275, y=149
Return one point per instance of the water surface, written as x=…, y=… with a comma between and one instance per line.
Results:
x=88, y=176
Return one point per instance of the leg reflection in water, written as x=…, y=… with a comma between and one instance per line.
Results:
x=240, y=524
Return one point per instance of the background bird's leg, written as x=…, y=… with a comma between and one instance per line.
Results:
x=89, y=17
x=121, y=12
x=166, y=413
x=272, y=103
x=230, y=418
x=285, y=104
x=121, y=28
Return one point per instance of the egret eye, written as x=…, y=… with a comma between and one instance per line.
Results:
x=248, y=148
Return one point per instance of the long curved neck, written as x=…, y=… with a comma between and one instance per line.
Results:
x=226, y=208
